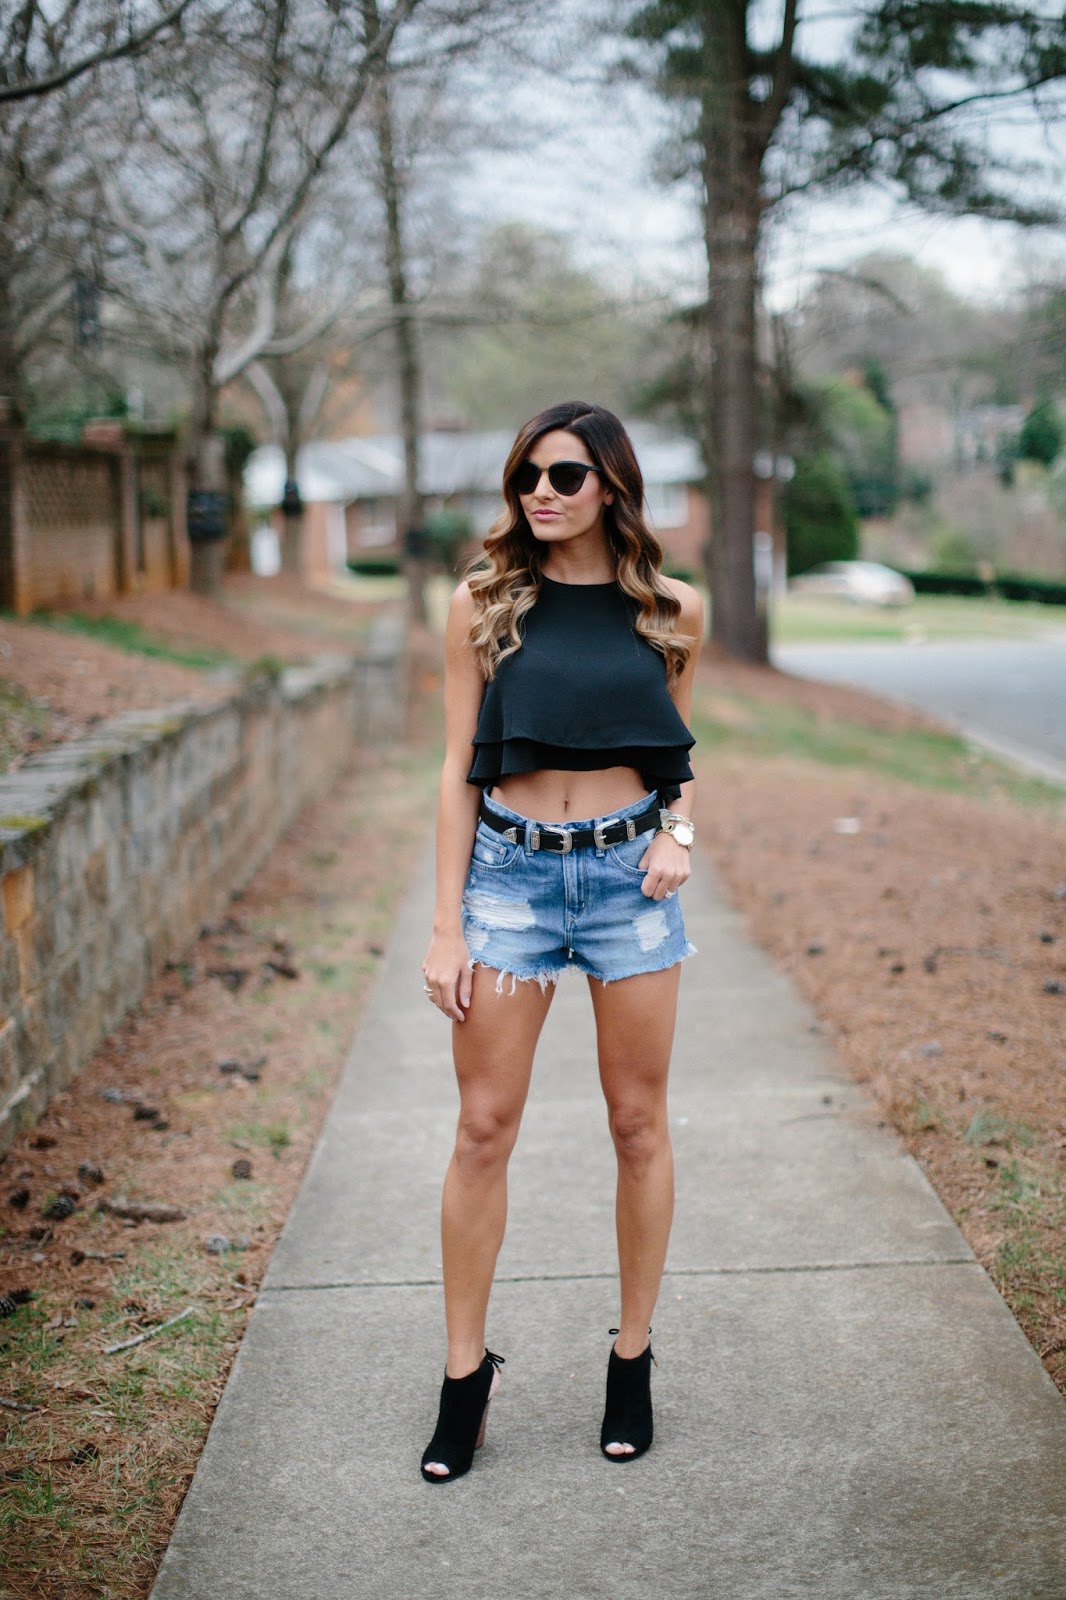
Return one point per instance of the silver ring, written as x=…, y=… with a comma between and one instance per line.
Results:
x=669, y=895
x=426, y=989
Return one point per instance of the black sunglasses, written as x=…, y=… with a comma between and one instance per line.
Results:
x=565, y=477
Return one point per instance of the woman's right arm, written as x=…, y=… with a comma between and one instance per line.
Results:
x=447, y=963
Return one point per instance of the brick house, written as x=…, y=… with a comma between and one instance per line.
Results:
x=351, y=488
x=89, y=520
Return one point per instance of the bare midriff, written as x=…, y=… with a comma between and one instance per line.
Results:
x=551, y=795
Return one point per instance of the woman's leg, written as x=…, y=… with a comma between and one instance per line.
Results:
x=635, y=1030
x=493, y=1051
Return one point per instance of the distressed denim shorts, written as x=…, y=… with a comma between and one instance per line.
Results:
x=534, y=914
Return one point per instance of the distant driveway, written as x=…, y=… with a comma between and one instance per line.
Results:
x=1008, y=695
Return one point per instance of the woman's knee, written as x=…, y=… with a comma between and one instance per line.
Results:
x=640, y=1132
x=485, y=1137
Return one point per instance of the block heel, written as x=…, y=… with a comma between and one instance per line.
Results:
x=461, y=1421
x=627, y=1417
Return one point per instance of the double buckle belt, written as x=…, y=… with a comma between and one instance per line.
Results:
x=562, y=840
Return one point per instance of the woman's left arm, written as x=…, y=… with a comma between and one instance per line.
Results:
x=666, y=863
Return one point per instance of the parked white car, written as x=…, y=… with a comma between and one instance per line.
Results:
x=859, y=581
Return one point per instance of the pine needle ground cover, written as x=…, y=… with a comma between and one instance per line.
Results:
x=916, y=891
x=207, y=1101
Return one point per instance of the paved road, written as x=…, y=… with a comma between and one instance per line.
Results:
x=845, y=1408
x=1010, y=695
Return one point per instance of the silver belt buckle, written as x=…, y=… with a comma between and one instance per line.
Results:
x=563, y=833
x=600, y=829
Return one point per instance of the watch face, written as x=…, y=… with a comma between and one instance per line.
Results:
x=684, y=833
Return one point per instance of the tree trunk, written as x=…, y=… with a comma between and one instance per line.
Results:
x=405, y=336
x=291, y=518
x=14, y=589
x=206, y=475
x=10, y=452
x=10, y=377
x=732, y=157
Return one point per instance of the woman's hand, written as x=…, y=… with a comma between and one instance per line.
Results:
x=666, y=866
x=447, y=974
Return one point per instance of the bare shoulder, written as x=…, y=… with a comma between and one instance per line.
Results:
x=462, y=603
x=691, y=618
x=460, y=614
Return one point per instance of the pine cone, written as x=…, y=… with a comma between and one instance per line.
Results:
x=62, y=1206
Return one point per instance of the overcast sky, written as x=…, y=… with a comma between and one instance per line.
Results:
x=588, y=171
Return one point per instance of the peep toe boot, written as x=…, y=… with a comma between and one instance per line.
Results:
x=627, y=1417
x=464, y=1409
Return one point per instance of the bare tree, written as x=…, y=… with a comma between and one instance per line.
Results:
x=383, y=221
x=42, y=52
x=416, y=119
x=210, y=186
x=49, y=240
x=390, y=187
x=294, y=378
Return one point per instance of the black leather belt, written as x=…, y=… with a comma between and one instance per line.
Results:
x=563, y=840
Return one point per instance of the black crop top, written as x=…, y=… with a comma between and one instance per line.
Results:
x=584, y=692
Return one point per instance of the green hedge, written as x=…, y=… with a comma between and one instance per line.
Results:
x=374, y=566
x=1045, y=591
x=1007, y=585
x=945, y=582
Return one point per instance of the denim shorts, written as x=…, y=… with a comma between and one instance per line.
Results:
x=534, y=914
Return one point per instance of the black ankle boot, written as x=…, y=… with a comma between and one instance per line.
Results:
x=627, y=1418
x=464, y=1407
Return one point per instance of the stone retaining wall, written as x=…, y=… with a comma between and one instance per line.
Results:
x=116, y=848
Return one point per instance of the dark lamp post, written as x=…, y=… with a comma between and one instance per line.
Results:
x=292, y=508
x=291, y=503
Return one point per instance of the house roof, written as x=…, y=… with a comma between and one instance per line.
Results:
x=450, y=463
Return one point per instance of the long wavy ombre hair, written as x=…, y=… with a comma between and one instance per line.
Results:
x=506, y=580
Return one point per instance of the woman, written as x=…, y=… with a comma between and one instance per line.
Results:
x=569, y=666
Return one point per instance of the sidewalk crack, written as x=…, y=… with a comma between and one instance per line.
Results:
x=770, y=1269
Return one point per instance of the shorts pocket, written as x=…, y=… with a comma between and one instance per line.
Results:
x=491, y=849
x=629, y=853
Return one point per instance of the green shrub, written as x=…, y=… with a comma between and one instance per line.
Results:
x=861, y=425
x=1041, y=435
x=374, y=566
x=926, y=582
x=449, y=530
x=1007, y=585
x=819, y=514
x=1044, y=591
x=951, y=550
x=917, y=486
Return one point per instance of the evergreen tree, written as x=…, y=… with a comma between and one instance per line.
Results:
x=766, y=123
x=819, y=513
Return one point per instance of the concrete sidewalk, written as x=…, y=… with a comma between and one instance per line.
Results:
x=845, y=1408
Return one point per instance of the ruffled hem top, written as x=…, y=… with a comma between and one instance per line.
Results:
x=583, y=692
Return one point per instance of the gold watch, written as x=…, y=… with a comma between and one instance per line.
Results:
x=678, y=827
